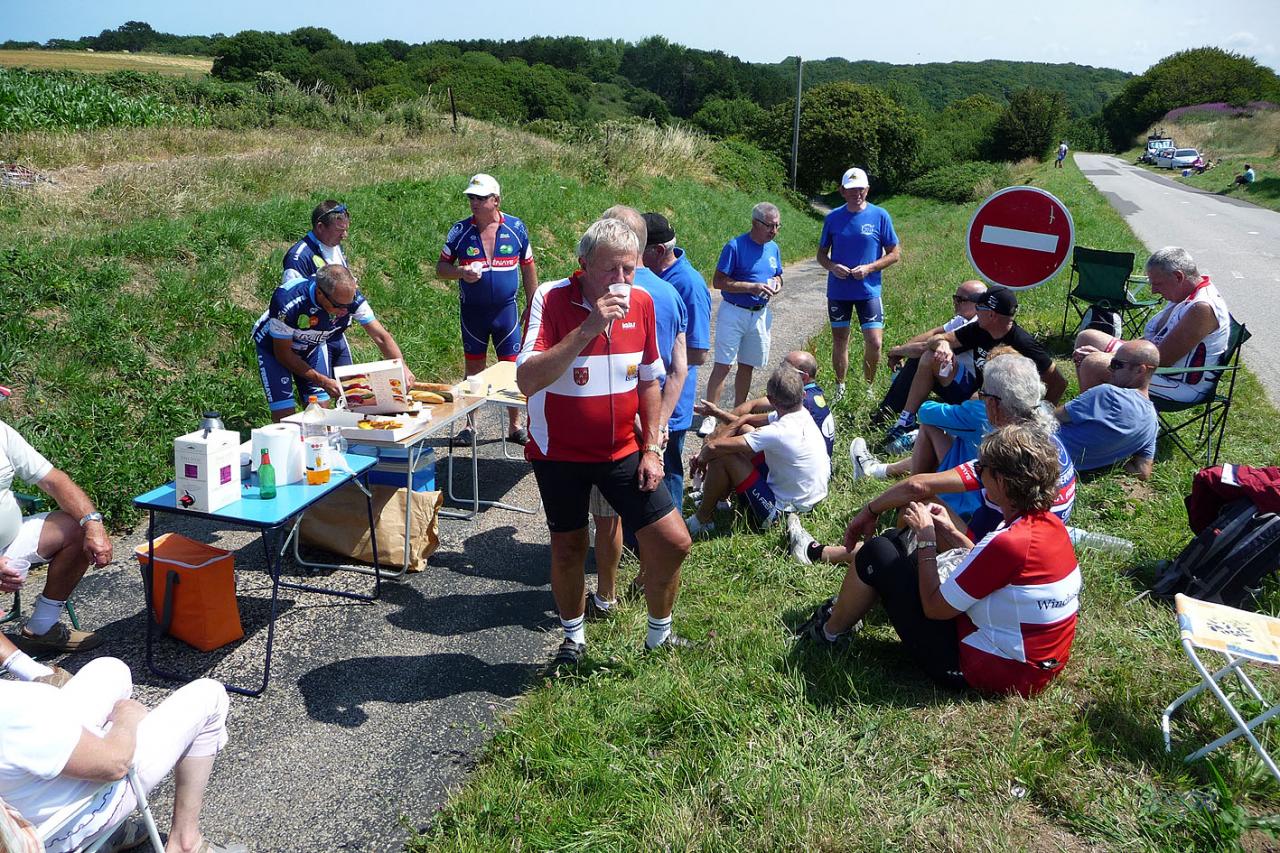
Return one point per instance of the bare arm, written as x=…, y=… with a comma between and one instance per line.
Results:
x=107, y=759
x=695, y=357
x=918, y=487
x=75, y=503
x=921, y=518
x=915, y=347
x=725, y=446
x=1139, y=466
x=529, y=278
x=454, y=272
x=545, y=367
x=885, y=261
x=387, y=346
x=649, y=470
x=824, y=261
x=288, y=359
x=1055, y=384
x=722, y=282
x=1198, y=323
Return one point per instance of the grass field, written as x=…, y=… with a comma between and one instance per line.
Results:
x=79, y=60
x=752, y=743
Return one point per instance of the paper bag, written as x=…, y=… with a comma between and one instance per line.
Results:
x=340, y=523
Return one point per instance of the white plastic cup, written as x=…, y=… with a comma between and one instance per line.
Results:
x=624, y=290
x=475, y=386
x=22, y=567
x=476, y=267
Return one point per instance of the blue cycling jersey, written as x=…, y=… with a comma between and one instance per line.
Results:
x=307, y=256
x=295, y=315
x=500, y=275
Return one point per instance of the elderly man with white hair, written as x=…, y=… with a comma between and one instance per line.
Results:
x=748, y=275
x=589, y=365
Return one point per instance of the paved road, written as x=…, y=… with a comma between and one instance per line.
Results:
x=1234, y=242
x=375, y=710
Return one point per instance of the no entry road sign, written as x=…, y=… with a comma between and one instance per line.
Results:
x=1020, y=237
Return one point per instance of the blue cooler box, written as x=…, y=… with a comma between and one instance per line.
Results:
x=393, y=465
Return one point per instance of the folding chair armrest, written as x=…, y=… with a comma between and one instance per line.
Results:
x=27, y=503
x=1169, y=371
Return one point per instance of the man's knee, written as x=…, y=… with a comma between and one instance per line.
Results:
x=665, y=542
x=1095, y=338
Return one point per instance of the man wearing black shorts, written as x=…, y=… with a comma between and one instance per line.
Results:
x=589, y=364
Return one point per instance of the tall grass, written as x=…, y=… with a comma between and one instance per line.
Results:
x=751, y=743
x=77, y=102
x=1231, y=142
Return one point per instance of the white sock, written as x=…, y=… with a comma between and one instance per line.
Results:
x=20, y=664
x=878, y=471
x=831, y=638
x=659, y=630
x=906, y=418
x=44, y=614
x=601, y=603
x=573, y=629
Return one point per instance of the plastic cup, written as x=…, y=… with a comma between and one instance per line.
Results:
x=624, y=290
x=476, y=386
x=22, y=567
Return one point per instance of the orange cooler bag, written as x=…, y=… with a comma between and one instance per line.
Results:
x=196, y=583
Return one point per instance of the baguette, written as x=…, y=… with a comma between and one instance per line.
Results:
x=429, y=397
x=431, y=386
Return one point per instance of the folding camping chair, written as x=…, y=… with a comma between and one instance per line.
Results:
x=1241, y=638
x=1105, y=280
x=28, y=503
x=66, y=813
x=1207, y=416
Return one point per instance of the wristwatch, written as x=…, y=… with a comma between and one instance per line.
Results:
x=653, y=448
x=92, y=516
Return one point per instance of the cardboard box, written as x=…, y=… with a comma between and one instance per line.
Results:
x=207, y=469
x=374, y=388
x=411, y=423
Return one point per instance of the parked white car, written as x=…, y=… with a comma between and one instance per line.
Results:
x=1177, y=158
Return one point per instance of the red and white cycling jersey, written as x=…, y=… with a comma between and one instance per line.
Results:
x=588, y=413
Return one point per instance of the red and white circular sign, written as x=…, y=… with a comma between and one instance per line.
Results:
x=1020, y=237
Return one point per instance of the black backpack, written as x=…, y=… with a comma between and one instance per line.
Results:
x=1227, y=562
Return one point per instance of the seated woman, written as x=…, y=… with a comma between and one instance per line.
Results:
x=57, y=746
x=1003, y=618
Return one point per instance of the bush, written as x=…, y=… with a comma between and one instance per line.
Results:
x=1031, y=125
x=960, y=183
x=747, y=167
x=729, y=117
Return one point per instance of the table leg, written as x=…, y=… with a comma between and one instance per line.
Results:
x=476, y=500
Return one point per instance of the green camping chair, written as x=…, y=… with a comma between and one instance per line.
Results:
x=28, y=503
x=1207, y=417
x=1105, y=280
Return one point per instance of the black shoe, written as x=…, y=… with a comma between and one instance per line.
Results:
x=570, y=654
x=673, y=641
x=518, y=436
x=596, y=613
x=464, y=437
x=812, y=629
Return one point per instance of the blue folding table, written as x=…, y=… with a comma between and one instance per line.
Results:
x=267, y=517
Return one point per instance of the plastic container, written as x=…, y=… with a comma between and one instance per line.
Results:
x=1099, y=542
x=315, y=440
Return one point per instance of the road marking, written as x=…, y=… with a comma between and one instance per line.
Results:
x=1018, y=239
x=1211, y=214
x=1251, y=232
x=1235, y=274
x=1186, y=202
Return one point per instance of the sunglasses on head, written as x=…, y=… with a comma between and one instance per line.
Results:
x=337, y=211
x=960, y=297
x=978, y=468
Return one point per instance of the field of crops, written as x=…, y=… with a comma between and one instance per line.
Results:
x=77, y=102
x=79, y=60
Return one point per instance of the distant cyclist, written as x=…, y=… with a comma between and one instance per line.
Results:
x=483, y=253
x=322, y=245
x=301, y=337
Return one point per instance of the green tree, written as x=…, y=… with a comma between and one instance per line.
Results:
x=1030, y=125
x=964, y=130
x=729, y=117
x=843, y=125
x=246, y=53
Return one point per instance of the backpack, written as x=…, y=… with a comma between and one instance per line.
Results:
x=1101, y=319
x=1227, y=561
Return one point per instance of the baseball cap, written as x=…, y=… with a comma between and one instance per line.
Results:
x=854, y=178
x=482, y=185
x=999, y=299
x=660, y=230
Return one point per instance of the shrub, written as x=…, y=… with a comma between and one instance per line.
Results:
x=960, y=183
x=1031, y=125
x=747, y=167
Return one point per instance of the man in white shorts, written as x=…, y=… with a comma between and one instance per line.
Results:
x=68, y=540
x=748, y=275
x=1191, y=331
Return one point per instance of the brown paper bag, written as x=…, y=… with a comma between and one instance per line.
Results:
x=340, y=523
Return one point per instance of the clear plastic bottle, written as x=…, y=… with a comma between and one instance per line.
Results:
x=315, y=441
x=1099, y=542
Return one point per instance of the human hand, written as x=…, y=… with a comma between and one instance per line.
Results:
x=649, y=472
x=859, y=272
x=775, y=285
x=11, y=580
x=331, y=387
x=409, y=377
x=697, y=465
x=97, y=544
x=862, y=526
x=840, y=270
x=469, y=273
x=606, y=309
x=920, y=519
x=1079, y=354
x=895, y=361
x=942, y=518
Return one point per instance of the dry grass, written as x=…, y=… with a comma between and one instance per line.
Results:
x=78, y=60
x=1251, y=136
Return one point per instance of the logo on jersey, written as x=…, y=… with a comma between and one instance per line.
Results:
x=304, y=322
x=506, y=248
x=868, y=228
x=773, y=263
x=581, y=375
x=819, y=400
x=472, y=251
x=633, y=370
x=631, y=325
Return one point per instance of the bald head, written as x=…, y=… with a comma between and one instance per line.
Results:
x=633, y=220
x=966, y=296
x=1141, y=351
x=1134, y=363
x=803, y=362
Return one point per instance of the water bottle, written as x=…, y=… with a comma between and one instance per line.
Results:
x=266, y=477
x=1099, y=542
x=315, y=441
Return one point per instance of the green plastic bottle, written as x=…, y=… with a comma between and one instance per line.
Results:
x=266, y=478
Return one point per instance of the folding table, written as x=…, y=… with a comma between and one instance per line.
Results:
x=267, y=517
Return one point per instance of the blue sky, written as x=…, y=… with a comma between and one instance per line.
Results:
x=1122, y=34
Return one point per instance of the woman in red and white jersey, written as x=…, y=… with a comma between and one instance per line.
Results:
x=998, y=616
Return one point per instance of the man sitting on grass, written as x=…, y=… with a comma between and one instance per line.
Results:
x=1113, y=419
x=781, y=466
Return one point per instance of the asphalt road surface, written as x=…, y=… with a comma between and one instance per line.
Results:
x=1234, y=242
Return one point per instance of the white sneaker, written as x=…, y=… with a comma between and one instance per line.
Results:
x=799, y=539
x=864, y=464
x=839, y=395
x=871, y=392
x=707, y=426
x=697, y=529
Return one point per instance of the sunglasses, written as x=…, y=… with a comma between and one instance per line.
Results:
x=978, y=468
x=776, y=226
x=337, y=211
x=349, y=307
x=1117, y=364
x=957, y=298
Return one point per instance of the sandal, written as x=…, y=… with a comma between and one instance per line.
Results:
x=127, y=836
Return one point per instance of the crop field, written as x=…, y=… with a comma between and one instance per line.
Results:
x=79, y=60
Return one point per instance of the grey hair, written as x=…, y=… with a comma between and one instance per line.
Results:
x=632, y=217
x=330, y=276
x=668, y=247
x=1173, y=259
x=609, y=234
x=1016, y=382
x=785, y=387
x=763, y=209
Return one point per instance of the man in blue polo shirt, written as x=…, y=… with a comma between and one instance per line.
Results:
x=857, y=242
x=301, y=338
x=322, y=245
x=1114, y=421
x=663, y=257
x=748, y=275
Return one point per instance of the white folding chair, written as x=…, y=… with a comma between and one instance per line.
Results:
x=60, y=818
x=1240, y=637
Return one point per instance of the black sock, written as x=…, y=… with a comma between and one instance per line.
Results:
x=814, y=551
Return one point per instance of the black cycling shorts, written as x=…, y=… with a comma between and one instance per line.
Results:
x=566, y=489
